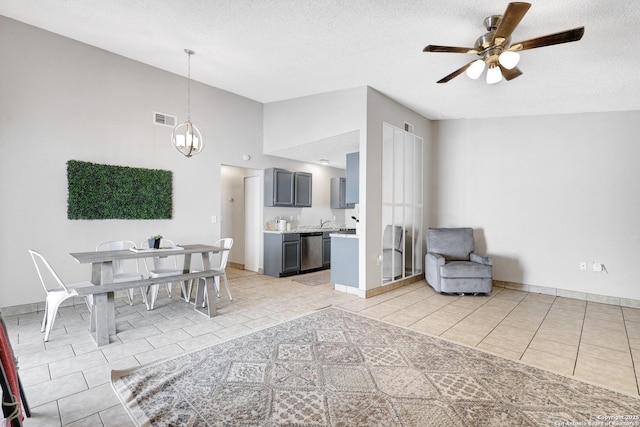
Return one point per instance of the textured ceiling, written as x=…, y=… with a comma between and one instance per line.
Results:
x=272, y=50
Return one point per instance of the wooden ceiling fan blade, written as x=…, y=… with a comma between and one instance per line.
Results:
x=549, y=40
x=456, y=73
x=510, y=20
x=449, y=49
x=509, y=74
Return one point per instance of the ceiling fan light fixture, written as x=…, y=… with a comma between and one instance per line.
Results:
x=493, y=74
x=475, y=69
x=509, y=59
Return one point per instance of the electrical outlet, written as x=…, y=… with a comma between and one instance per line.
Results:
x=583, y=266
x=214, y=219
x=596, y=266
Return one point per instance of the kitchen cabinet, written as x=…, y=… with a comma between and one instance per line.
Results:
x=286, y=188
x=344, y=260
x=339, y=194
x=278, y=187
x=326, y=249
x=281, y=254
x=302, y=189
x=353, y=178
x=290, y=253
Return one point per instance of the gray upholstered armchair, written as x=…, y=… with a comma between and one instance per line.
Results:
x=452, y=266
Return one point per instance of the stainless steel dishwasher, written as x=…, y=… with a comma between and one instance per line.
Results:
x=310, y=251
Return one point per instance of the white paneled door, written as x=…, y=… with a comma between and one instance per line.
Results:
x=252, y=218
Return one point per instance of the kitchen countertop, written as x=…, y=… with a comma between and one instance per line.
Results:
x=345, y=235
x=335, y=232
x=302, y=230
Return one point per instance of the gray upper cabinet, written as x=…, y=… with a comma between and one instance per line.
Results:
x=287, y=189
x=339, y=194
x=353, y=178
x=302, y=189
x=278, y=187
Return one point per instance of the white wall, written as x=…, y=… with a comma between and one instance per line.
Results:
x=381, y=109
x=312, y=118
x=63, y=100
x=546, y=193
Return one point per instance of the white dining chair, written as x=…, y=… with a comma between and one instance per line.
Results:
x=163, y=265
x=120, y=273
x=227, y=244
x=57, y=291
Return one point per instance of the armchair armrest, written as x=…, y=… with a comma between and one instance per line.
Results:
x=433, y=261
x=480, y=259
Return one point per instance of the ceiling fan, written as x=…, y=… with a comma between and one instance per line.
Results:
x=496, y=50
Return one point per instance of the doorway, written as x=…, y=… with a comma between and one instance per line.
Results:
x=241, y=214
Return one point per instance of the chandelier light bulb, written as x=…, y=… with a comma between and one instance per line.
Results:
x=493, y=74
x=509, y=59
x=475, y=69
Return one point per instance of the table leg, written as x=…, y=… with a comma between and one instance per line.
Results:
x=101, y=315
x=186, y=268
x=103, y=312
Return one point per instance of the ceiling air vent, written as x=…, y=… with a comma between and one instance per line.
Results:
x=164, y=119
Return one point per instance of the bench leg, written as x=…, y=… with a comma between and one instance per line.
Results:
x=206, y=295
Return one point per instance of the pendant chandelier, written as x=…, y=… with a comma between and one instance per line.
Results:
x=186, y=137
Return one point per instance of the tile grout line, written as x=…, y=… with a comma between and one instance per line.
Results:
x=633, y=363
x=539, y=326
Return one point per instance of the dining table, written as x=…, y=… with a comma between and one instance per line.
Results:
x=103, y=323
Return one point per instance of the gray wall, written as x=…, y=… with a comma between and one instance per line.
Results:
x=546, y=193
x=62, y=100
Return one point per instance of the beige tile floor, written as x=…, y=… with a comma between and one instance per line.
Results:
x=67, y=379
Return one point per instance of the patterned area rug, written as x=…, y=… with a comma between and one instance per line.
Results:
x=313, y=279
x=335, y=368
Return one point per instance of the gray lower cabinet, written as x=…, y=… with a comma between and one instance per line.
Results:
x=281, y=254
x=290, y=257
x=326, y=249
x=344, y=261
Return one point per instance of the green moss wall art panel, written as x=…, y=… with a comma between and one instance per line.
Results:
x=118, y=192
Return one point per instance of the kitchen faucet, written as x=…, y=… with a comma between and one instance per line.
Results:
x=323, y=223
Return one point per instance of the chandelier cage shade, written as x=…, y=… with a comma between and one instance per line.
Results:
x=186, y=138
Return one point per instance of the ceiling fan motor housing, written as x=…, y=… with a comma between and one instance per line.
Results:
x=485, y=44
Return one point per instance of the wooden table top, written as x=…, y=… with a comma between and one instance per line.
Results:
x=104, y=256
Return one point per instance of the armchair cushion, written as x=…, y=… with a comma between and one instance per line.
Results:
x=455, y=244
x=467, y=269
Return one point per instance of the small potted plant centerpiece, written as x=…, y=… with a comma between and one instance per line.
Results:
x=154, y=242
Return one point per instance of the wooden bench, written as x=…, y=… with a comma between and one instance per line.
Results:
x=119, y=286
x=103, y=312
